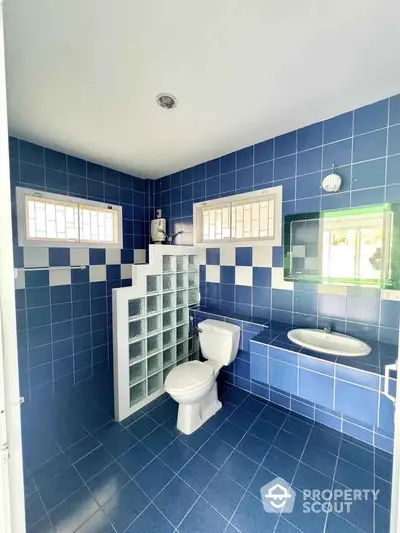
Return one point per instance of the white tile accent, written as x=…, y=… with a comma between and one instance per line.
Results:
x=244, y=276
x=60, y=276
x=277, y=281
x=311, y=263
x=332, y=289
x=227, y=255
x=390, y=294
x=20, y=280
x=126, y=271
x=35, y=256
x=139, y=256
x=213, y=273
x=97, y=273
x=79, y=256
x=262, y=256
x=113, y=256
x=299, y=250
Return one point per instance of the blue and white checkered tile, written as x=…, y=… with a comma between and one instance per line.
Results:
x=95, y=260
x=245, y=266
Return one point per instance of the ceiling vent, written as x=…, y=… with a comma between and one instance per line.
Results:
x=167, y=101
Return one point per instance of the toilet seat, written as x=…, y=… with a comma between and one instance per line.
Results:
x=188, y=377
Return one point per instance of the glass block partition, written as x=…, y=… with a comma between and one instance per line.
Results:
x=151, y=326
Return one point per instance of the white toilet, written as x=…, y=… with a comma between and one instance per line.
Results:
x=193, y=385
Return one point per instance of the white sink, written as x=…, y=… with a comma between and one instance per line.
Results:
x=330, y=343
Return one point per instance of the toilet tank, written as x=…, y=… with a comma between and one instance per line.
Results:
x=219, y=341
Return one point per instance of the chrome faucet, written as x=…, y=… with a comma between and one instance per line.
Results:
x=328, y=329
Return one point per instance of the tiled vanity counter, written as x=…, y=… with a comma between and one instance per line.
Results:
x=345, y=393
x=352, y=386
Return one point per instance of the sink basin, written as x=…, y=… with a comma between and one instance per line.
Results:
x=329, y=343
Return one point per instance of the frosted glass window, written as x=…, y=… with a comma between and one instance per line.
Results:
x=98, y=225
x=244, y=217
x=47, y=218
x=216, y=223
x=253, y=220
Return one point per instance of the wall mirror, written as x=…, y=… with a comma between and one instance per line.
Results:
x=355, y=246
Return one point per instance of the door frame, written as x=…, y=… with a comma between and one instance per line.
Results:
x=395, y=502
x=12, y=500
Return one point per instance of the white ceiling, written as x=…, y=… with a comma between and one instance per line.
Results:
x=82, y=75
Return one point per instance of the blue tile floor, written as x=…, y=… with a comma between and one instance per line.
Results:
x=88, y=474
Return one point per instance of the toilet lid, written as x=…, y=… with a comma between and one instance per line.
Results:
x=188, y=376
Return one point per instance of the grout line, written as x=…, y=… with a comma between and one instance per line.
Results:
x=196, y=452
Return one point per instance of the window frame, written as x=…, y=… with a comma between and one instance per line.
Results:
x=275, y=192
x=23, y=240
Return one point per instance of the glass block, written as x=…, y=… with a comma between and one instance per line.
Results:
x=169, y=356
x=153, y=344
x=169, y=263
x=181, y=281
x=182, y=332
x=193, y=278
x=154, y=363
x=168, y=300
x=181, y=350
x=167, y=371
x=168, y=282
x=169, y=338
x=136, y=307
x=181, y=298
x=168, y=319
x=136, y=351
x=153, y=324
x=192, y=262
x=194, y=296
x=137, y=372
x=181, y=361
x=136, y=330
x=181, y=263
x=153, y=304
x=137, y=393
x=194, y=356
x=153, y=284
x=182, y=315
x=155, y=383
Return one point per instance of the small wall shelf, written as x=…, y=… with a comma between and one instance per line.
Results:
x=151, y=326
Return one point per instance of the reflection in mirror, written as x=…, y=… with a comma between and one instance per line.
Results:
x=351, y=246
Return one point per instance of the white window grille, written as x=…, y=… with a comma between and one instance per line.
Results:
x=46, y=219
x=254, y=216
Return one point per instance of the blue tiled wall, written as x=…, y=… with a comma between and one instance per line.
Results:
x=64, y=330
x=364, y=144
